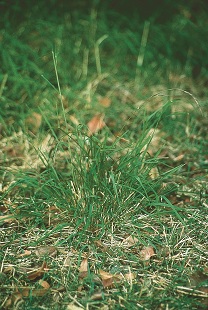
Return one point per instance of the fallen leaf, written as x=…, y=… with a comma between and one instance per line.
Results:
x=46, y=250
x=73, y=307
x=74, y=120
x=26, y=253
x=179, y=157
x=103, y=247
x=154, y=173
x=44, y=284
x=163, y=251
x=14, y=151
x=146, y=253
x=27, y=291
x=3, y=277
x=119, y=135
x=52, y=216
x=9, y=269
x=130, y=241
x=8, y=303
x=39, y=292
x=38, y=273
x=7, y=218
x=3, y=207
x=205, y=271
x=108, y=279
x=59, y=289
x=83, y=269
x=97, y=296
x=105, y=275
x=129, y=276
x=80, y=288
x=67, y=261
x=14, y=298
x=33, y=122
x=105, y=102
x=96, y=124
x=64, y=100
x=199, y=280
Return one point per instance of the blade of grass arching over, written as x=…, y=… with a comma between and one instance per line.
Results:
x=175, y=209
x=189, y=94
x=97, y=54
x=141, y=54
x=115, y=187
x=55, y=61
x=3, y=84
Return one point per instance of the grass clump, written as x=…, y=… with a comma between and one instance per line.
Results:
x=103, y=179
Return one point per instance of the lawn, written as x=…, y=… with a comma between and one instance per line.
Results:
x=103, y=161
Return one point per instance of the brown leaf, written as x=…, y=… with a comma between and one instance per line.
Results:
x=163, y=251
x=38, y=273
x=52, y=216
x=13, y=300
x=97, y=296
x=3, y=277
x=46, y=250
x=154, y=173
x=7, y=218
x=67, y=261
x=129, y=276
x=9, y=269
x=118, y=135
x=179, y=157
x=198, y=280
x=108, y=279
x=44, y=284
x=73, y=307
x=96, y=124
x=130, y=241
x=25, y=292
x=3, y=207
x=105, y=275
x=8, y=303
x=34, y=122
x=103, y=247
x=64, y=100
x=26, y=253
x=59, y=289
x=105, y=102
x=203, y=289
x=146, y=253
x=83, y=269
x=39, y=292
x=107, y=282
x=80, y=288
x=74, y=120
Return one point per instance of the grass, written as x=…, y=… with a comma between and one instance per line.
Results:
x=115, y=218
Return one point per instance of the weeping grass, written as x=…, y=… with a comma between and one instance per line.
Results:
x=141, y=176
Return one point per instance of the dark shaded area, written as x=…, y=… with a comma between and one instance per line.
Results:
x=161, y=11
x=178, y=32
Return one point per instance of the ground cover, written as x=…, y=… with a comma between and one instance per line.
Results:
x=103, y=163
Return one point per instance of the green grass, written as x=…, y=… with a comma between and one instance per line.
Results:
x=144, y=175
